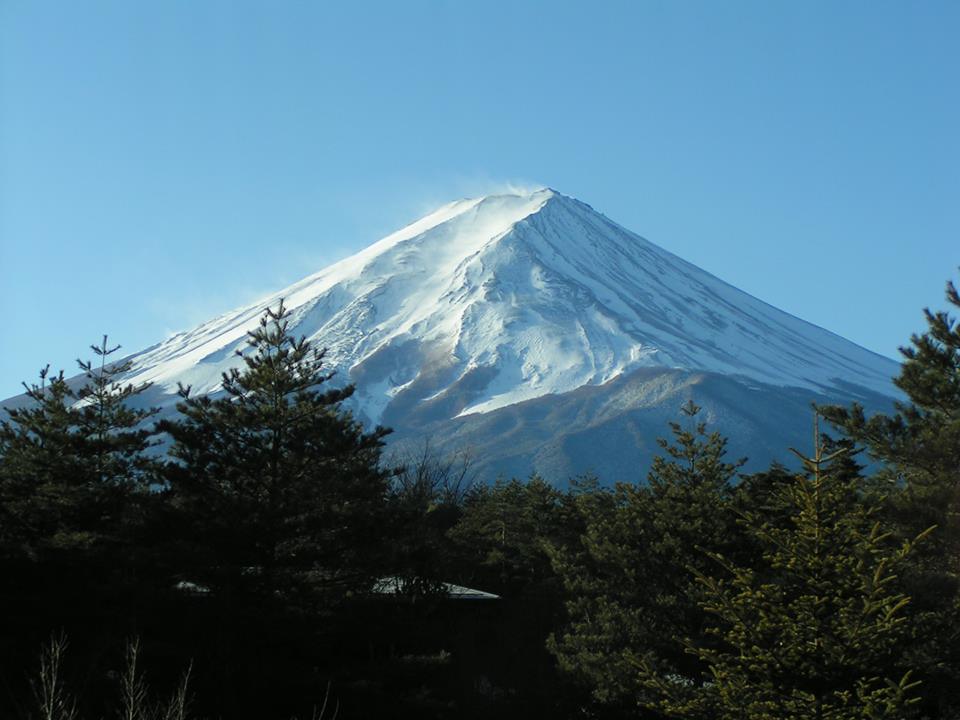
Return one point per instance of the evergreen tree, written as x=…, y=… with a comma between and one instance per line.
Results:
x=920, y=442
x=817, y=628
x=282, y=491
x=501, y=545
x=630, y=593
x=74, y=472
x=72, y=462
x=38, y=488
x=919, y=445
x=503, y=532
x=115, y=432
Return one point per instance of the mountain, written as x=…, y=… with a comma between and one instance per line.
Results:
x=544, y=337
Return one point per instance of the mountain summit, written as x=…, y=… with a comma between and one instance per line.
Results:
x=532, y=313
x=492, y=301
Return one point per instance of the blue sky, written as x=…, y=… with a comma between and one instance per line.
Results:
x=161, y=163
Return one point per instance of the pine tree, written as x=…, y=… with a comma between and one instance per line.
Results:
x=630, y=593
x=920, y=443
x=501, y=545
x=817, y=628
x=72, y=461
x=74, y=476
x=282, y=491
x=919, y=446
x=115, y=432
x=503, y=530
x=40, y=495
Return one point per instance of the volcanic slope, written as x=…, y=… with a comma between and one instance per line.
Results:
x=545, y=337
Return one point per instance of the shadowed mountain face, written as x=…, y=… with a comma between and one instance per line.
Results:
x=546, y=338
x=610, y=431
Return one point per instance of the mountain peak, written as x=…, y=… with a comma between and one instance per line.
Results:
x=491, y=301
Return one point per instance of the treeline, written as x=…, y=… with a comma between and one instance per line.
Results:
x=271, y=554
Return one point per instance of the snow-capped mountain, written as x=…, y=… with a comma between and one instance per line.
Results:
x=524, y=303
x=520, y=296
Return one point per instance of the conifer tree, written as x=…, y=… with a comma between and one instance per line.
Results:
x=920, y=442
x=74, y=471
x=501, y=545
x=71, y=461
x=37, y=495
x=817, y=627
x=114, y=430
x=919, y=446
x=503, y=531
x=281, y=489
x=630, y=593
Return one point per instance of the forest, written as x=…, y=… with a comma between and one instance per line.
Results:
x=261, y=555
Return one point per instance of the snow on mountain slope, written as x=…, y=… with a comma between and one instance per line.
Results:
x=492, y=301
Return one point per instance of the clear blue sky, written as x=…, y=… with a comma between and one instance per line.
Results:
x=164, y=162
